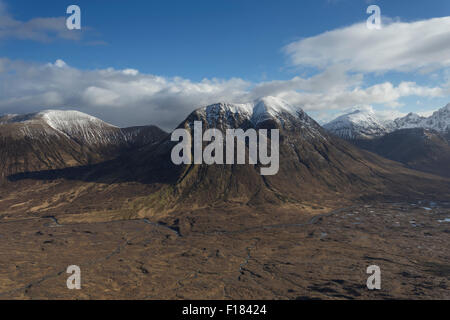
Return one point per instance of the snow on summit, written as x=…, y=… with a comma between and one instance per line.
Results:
x=357, y=124
x=71, y=120
x=271, y=107
x=257, y=111
x=74, y=124
x=365, y=124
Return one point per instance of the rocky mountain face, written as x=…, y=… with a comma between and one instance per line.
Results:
x=364, y=124
x=58, y=139
x=422, y=143
x=421, y=149
x=149, y=228
x=358, y=125
x=314, y=167
x=411, y=120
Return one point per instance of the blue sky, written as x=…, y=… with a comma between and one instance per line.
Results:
x=228, y=47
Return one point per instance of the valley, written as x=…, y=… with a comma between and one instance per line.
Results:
x=141, y=227
x=234, y=253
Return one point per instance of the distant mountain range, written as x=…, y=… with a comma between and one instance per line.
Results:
x=129, y=172
x=365, y=125
x=422, y=143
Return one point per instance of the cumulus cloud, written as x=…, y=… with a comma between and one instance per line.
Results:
x=351, y=53
x=37, y=29
x=341, y=58
x=123, y=97
x=399, y=46
x=128, y=97
x=384, y=93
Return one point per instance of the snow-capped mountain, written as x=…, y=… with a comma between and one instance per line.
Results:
x=258, y=113
x=421, y=143
x=78, y=126
x=411, y=120
x=439, y=120
x=54, y=139
x=357, y=125
x=311, y=162
x=365, y=125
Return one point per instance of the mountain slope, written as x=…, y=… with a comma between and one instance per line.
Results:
x=315, y=167
x=418, y=148
x=439, y=120
x=357, y=125
x=419, y=142
x=365, y=125
x=411, y=120
x=57, y=139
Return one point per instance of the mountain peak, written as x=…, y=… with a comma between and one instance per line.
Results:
x=52, y=117
x=364, y=124
x=358, y=124
x=274, y=104
x=71, y=123
x=257, y=111
x=269, y=107
x=69, y=120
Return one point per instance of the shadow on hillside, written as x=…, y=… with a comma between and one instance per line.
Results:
x=147, y=168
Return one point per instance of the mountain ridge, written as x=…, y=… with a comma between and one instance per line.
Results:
x=367, y=126
x=421, y=143
x=315, y=167
x=54, y=139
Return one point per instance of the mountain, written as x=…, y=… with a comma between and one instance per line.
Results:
x=411, y=120
x=357, y=125
x=365, y=125
x=421, y=143
x=55, y=139
x=418, y=148
x=314, y=167
x=439, y=120
x=137, y=218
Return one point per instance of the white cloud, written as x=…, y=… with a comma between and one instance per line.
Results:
x=384, y=93
x=422, y=45
x=128, y=97
x=123, y=97
x=96, y=96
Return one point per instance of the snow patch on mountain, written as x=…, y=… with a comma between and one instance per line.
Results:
x=260, y=110
x=439, y=120
x=81, y=126
x=73, y=124
x=411, y=120
x=269, y=107
x=70, y=121
x=365, y=125
x=357, y=125
x=260, y=113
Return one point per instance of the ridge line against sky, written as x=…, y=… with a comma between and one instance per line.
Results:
x=328, y=70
